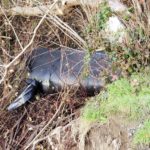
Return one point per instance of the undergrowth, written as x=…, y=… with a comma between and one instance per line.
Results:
x=99, y=20
x=93, y=32
x=143, y=134
x=128, y=98
x=133, y=53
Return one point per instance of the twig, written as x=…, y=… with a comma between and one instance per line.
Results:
x=38, y=140
x=34, y=34
x=6, y=53
x=60, y=9
x=63, y=7
x=28, y=45
x=16, y=126
x=4, y=75
x=65, y=28
x=47, y=125
x=12, y=27
x=5, y=37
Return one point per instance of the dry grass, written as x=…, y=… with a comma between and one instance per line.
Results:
x=19, y=36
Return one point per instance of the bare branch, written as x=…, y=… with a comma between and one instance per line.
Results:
x=28, y=45
x=60, y=8
x=46, y=126
x=12, y=28
x=6, y=53
x=67, y=30
x=3, y=76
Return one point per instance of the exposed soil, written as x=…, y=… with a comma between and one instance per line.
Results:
x=82, y=135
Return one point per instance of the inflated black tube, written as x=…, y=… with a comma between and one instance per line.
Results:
x=54, y=70
x=27, y=94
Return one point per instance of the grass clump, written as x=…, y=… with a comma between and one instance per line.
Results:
x=93, y=112
x=142, y=136
x=94, y=29
x=103, y=15
x=129, y=98
x=98, y=21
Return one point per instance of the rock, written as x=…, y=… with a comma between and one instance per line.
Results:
x=115, y=30
x=117, y=6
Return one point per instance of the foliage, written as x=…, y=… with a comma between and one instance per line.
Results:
x=93, y=32
x=130, y=98
x=103, y=15
x=93, y=112
x=134, y=52
x=142, y=136
x=99, y=20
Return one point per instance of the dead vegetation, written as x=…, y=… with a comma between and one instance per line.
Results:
x=19, y=35
x=30, y=126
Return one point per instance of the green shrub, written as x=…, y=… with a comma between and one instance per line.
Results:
x=93, y=33
x=98, y=21
x=93, y=112
x=134, y=52
x=103, y=15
